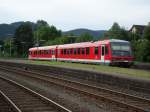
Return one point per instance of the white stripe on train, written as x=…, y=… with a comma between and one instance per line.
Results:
x=74, y=60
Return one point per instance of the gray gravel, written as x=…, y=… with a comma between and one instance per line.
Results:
x=77, y=102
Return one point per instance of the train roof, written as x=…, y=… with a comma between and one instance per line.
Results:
x=43, y=48
x=79, y=45
x=110, y=40
x=117, y=40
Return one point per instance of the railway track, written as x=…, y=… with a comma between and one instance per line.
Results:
x=138, y=66
x=129, y=102
x=141, y=66
x=6, y=105
x=17, y=98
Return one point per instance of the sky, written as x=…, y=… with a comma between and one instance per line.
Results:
x=71, y=14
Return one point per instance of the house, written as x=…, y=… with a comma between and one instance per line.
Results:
x=139, y=29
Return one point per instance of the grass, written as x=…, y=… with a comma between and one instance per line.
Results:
x=98, y=68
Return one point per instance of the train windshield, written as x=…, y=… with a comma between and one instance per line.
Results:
x=120, y=49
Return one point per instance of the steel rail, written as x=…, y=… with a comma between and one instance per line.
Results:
x=10, y=102
x=49, y=101
x=92, y=94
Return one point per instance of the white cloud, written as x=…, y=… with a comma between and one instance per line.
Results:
x=69, y=14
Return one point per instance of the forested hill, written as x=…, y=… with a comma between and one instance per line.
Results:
x=95, y=33
x=8, y=30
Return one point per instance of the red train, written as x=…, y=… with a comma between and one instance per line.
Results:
x=110, y=52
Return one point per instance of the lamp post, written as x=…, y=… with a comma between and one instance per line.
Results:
x=10, y=50
x=23, y=44
x=0, y=50
x=10, y=47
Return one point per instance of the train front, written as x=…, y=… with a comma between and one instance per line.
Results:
x=121, y=53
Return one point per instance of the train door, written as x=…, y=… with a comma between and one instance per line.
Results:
x=103, y=53
x=53, y=54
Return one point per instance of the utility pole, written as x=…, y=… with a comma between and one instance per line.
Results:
x=0, y=50
x=11, y=38
x=10, y=48
x=23, y=49
x=37, y=40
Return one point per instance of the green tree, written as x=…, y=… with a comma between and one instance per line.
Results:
x=8, y=47
x=146, y=34
x=146, y=37
x=1, y=45
x=54, y=33
x=84, y=38
x=61, y=40
x=47, y=33
x=41, y=23
x=134, y=36
x=116, y=32
x=23, y=38
x=141, y=52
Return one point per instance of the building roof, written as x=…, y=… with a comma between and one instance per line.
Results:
x=139, y=27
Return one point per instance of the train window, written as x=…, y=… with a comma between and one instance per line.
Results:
x=106, y=50
x=46, y=51
x=53, y=52
x=70, y=51
x=64, y=51
x=96, y=50
x=83, y=51
x=42, y=52
x=87, y=50
x=37, y=52
x=103, y=49
x=50, y=52
x=75, y=51
x=58, y=51
x=78, y=50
